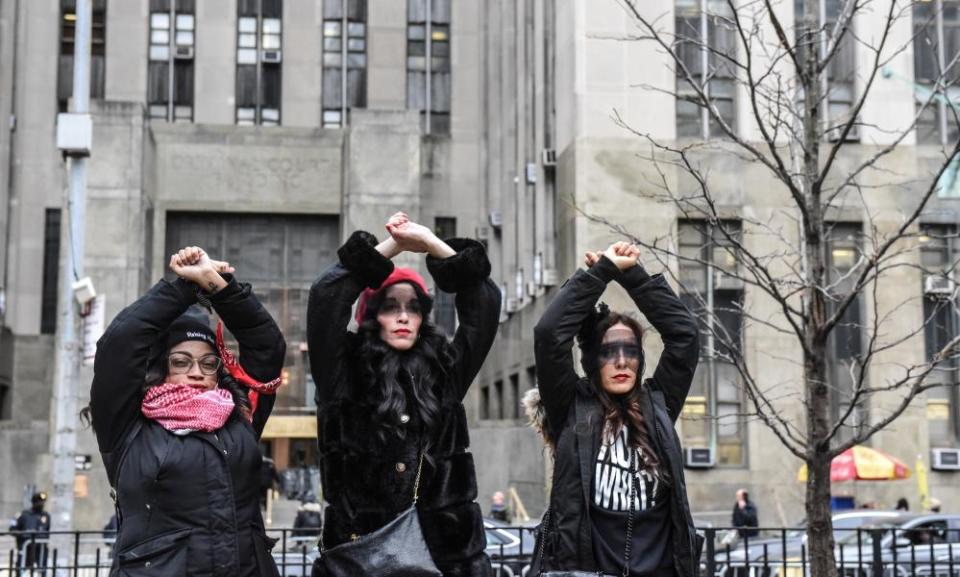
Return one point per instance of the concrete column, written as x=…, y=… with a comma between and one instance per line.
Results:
x=386, y=54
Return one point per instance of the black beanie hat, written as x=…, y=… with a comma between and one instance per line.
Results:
x=193, y=325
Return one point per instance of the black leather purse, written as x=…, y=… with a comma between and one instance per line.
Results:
x=627, y=545
x=396, y=549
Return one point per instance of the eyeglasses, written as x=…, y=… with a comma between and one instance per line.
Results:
x=396, y=308
x=182, y=363
x=611, y=352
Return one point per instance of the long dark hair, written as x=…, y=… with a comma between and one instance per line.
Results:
x=157, y=373
x=620, y=410
x=393, y=382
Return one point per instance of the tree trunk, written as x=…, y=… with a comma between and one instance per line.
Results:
x=816, y=390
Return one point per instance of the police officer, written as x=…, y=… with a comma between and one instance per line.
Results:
x=33, y=526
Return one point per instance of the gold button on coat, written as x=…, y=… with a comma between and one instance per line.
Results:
x=401, y=467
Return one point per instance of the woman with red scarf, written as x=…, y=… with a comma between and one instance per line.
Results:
x=178, y=421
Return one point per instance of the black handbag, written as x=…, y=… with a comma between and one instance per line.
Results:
x=397, y=549
x=627, y=545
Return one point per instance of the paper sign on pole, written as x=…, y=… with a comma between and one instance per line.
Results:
x=93, y=326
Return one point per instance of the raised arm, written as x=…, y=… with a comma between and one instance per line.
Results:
x=467, y=273
x=262, y=347
x=123, y=353
x=363, y=263
x=678, y=331
x=553, y=336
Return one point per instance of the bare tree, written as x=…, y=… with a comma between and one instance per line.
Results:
x=789, y=76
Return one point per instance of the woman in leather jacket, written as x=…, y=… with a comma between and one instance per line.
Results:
x=618, y=504
x=178, y=426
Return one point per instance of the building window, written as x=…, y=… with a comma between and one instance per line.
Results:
x=259, y=60
x=278, y=255
x=444, y=305
x=713, y=73
x=170, y=70
x=938, y=257
x=841, y=73
x=344, y=19
x=485, y=402
x=428, y=63
x=845, y=344
x=933, y=20
x=98, y=50
x=51, y=272
x=6, y=402
x=709, y=271
x=514, y=412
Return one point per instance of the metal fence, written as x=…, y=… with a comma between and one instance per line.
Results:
x=778, y=552
x=861, y=552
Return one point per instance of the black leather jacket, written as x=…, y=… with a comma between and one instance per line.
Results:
x=187, y=505
x=575, y=417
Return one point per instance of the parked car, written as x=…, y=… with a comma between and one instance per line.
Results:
x=510, y=548
x=768, y=555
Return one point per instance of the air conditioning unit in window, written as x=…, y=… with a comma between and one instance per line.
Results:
x=551, y=277
x=483, y=233
x=945, y=459
x=548, y=157
x=496, y=219
x=726, y=281
x=699, y=458
x=183, y=53
x=938, y=284
x=271, y=56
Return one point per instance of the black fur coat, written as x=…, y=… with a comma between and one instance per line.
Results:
x=367, y=483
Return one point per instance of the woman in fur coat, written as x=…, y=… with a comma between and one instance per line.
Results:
x=394, y=390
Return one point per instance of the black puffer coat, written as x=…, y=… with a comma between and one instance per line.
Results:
x=575, y=416
x=366, y=485
x=187, y=505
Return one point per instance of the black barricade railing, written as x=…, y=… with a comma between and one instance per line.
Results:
x=931, y=551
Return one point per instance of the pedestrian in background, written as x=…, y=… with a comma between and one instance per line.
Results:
x=498, y=507
x=744, y=517
x=178, y=421
x=902, y=504
x=309, y=518
x=33, y=527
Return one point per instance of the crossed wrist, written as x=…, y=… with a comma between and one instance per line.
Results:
x=211, y=281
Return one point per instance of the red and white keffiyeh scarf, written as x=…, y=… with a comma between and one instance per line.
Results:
x=183, y=409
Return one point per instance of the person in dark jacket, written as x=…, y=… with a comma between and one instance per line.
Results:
x=33, y=527
x=178, y=419
x=618, y=503
x=309, y=519
x=745, y=515
x=394, y=390
x=269, y=478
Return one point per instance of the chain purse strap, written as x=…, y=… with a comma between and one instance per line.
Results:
x=416, y=482
x=628, y=545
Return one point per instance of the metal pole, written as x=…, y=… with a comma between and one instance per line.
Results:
x=69, y=347
x=429, y=63
x=344, y=24
x=171, y=61
x=704, y=69
x=941, y=63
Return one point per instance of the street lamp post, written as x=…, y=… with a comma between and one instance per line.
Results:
x=69, y=337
